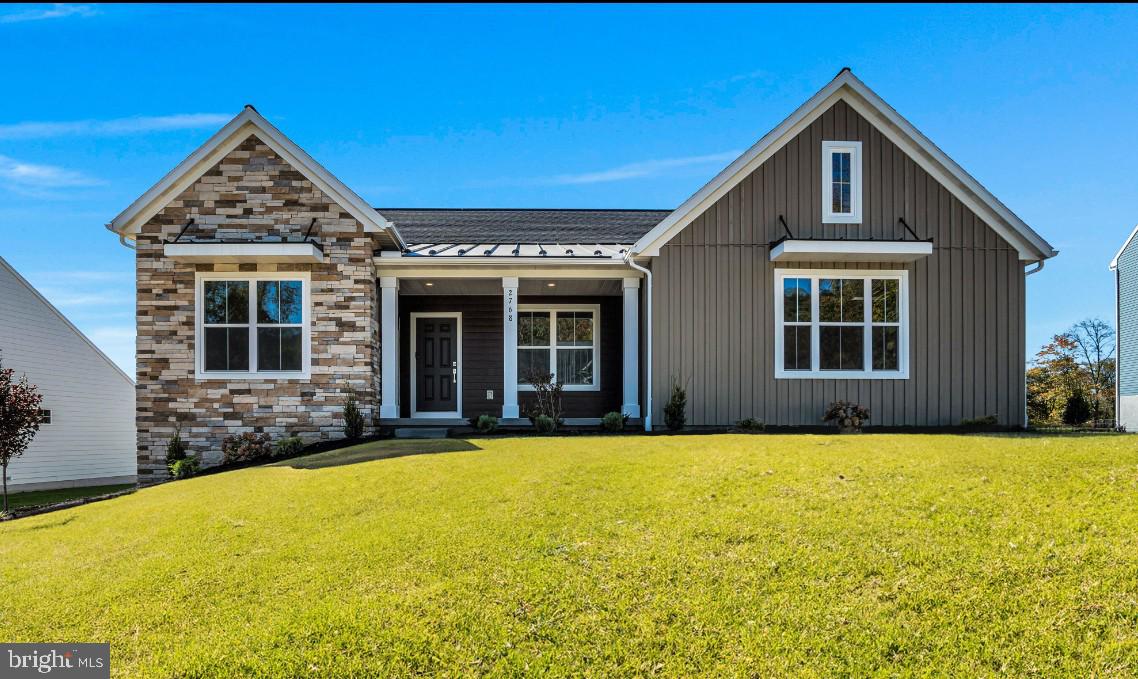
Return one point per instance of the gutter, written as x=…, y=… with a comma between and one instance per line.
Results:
x=648, y=339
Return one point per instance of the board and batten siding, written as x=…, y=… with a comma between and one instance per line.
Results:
x=713, y=303
x=91, y=438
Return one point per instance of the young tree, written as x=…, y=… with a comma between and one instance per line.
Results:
x=19, y=419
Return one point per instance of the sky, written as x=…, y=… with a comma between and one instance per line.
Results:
x=550, y=106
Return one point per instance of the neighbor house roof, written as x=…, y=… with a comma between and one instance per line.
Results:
x=514, y=226
x=1129, y=239
x=846, y=86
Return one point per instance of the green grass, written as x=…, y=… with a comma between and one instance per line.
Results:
x=33, y=498
x=705, y=555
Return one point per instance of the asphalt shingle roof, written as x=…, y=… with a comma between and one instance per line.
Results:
x=431, y=225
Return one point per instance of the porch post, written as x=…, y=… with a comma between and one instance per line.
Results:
x=389, y=346
x=631, y=404
x=510, y=348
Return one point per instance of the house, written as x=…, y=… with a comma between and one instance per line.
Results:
x=87, y=436
x=843, y=256
x=1125, y=268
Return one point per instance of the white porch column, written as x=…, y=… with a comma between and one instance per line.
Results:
x=389, y=345
x=510, y=348
x=631, y=404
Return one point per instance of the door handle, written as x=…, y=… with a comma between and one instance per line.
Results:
x=454, y=371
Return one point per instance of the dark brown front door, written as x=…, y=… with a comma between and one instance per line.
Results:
x=436, y=364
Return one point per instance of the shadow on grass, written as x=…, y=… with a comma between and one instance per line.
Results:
x=377, y=450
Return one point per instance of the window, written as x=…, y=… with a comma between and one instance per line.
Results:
x=45, y=417
x=841, y=324
x=841, y=182
x=561, y=341
x=252, y=326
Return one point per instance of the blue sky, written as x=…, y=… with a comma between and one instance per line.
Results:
x=550, y=106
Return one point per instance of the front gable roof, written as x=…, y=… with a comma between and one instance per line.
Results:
x=847, y=87
x=248, y=122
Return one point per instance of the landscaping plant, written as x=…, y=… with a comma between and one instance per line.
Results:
x=289, y=446
x=546, y=399
x=184, y=468
x=848, y=416
x=614, y=421
x=675, y=411
x=544, y=424
x=246, y=447
x=19, y=419
x=486, y=424
x=1077, y=410
x=750, y=425
x=353, y=419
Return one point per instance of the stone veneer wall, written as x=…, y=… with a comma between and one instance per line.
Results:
x=254, y=195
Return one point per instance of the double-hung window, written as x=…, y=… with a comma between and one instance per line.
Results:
x=561, y=341
x=841, y=182
x=841, y=324
x=252, y=326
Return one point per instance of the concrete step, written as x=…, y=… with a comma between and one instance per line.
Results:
x=421, y=433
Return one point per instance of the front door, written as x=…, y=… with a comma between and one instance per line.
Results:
x=436, y=365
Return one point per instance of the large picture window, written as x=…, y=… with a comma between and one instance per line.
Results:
x=841, y=182
x=252, y=326
x=561, y=341
x=841, y=324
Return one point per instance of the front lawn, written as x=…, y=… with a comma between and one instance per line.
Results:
x=35, y=498
x=714, y=555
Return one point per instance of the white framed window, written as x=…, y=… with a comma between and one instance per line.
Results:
x=45, y=416
x=841, y=182
x=562, y=340
x=837, y=324
x=253, y=325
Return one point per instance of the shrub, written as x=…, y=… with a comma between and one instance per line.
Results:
x=176, y=448
x=245, y=447
x=184, y=468
x=750, y=426
x=1077, y=410
x=487, y=424
x=544, y=424
x=980, y=422
x=546, y=399
x=849, y=417
x=353, y=419
x=289, y=446
x=675, y=411
x=614, y=421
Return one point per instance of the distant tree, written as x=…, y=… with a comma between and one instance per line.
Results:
x=1054, y=376
x=1094, y=339
x=19, y=419
x=1074, y=369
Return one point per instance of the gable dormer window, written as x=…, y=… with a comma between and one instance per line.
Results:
x=841, y=182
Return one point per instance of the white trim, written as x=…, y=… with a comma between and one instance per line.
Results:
x=850, y=251
x=847, y=87
x=815, y=373
x=248, y=122
x=202, y=375
x=630, y=348
x=36, y=293
x=828, y=215
x=510, y=407
x=389, y=346
x=415, y=414
x=243, y=252
x=595, y=309
x=1114, y=262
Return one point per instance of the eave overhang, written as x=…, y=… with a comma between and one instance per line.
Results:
x=817, y=250
x=202, y=253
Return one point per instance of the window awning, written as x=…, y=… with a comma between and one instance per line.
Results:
x=244, y=252
x=812, y=250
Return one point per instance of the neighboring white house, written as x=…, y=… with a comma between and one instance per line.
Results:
x=88, y=434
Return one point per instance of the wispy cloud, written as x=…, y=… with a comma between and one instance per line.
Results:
x=87, y=276
x=113, y=127
x=639, y=170
x=64, y=299
x=30, y=177
x=55, y=11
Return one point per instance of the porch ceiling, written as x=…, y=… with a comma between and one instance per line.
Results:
x=493, y=286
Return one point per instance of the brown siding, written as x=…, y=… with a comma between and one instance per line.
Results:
x=482, y=352
x=713, y=303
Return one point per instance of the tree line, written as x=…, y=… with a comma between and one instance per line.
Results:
x=1071, y=379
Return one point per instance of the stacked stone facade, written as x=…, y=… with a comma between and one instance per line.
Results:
x=252, y=195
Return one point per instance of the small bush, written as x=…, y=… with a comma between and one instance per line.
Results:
x=353, y=419
x=546, y=399
x=486, y=424
x=675, y=411
x=184, y=468
x=289, y=446
x=980, y=422
x=614, y=421
x=750, y=426
x=245, y=447
x=849, y=417
x=544, y=424
x=176, y=448
x=1077, y=410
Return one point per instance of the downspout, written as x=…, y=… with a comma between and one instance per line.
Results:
x=1026, y=273
x=122, y=238
x=648, y=340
